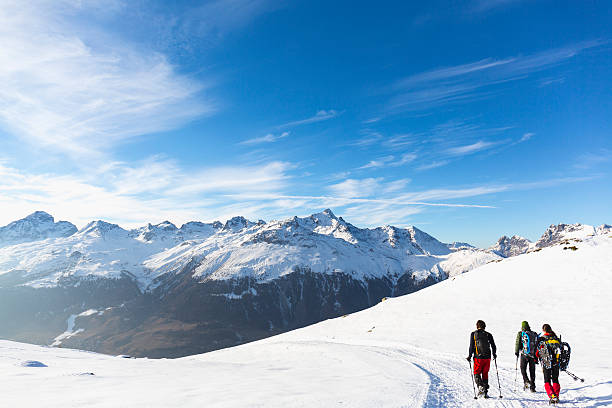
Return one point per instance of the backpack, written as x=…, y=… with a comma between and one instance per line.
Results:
x=549, y=352
x=481, y=343
x=564, y=359
x=529, y=340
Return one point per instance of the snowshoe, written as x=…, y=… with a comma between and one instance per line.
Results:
x=554, y=399
x=526, y=386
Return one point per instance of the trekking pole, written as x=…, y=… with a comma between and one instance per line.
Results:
x=498, y=383
x=472, y=377
x=516, y=375
x=574, y=376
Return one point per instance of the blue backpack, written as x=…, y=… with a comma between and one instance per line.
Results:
x=529, y=340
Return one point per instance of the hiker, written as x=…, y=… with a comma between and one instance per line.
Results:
x=526, y=345
x=481, y=345
x=549, y=350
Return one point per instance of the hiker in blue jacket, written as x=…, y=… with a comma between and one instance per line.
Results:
x=525, y=346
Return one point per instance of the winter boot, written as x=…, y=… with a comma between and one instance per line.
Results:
x=526, y=386
x=554, y=399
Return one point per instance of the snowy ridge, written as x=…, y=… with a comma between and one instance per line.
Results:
x=407, y=351
x=320, y=243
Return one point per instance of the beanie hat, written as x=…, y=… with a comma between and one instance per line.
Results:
x=525, y=326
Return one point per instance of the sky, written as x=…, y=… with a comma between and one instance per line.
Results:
x=467, y=119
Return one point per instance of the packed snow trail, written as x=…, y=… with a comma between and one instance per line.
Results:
x=404, y=352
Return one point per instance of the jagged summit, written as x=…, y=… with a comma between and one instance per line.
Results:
x=36, y=226
x=511, y=246
x=100, y=228
x=554, y=234
x=237, y=223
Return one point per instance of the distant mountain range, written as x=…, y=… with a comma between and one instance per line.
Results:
x=164, y=291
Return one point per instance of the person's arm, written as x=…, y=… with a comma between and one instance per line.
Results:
x=471, y=351
x=493, y=346
x=518, y=344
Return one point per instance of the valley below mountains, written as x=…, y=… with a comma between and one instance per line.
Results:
x=164, y=291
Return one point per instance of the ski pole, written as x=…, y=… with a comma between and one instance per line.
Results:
x=516, y=375
x=498, y=383
x=574, y=376
x=472, y=377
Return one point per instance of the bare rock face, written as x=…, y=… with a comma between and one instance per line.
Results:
x=511, y=246
x=560, y=233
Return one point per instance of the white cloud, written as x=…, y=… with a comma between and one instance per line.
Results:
x=432, y=165
x=320, y=116
x=132, y=195
x=471, y=148
x=71, y=87
x=390, y=161
x=356, y=187
x=526, y=137
x=405, y=159
x=475, y=80
x=269, y=138
x=380, y=162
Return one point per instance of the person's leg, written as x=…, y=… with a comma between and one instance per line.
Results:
x=556, y=387
x=524, y=368
x=486, y=364
x=547, y=378
x=532, y=373
x=478, y=372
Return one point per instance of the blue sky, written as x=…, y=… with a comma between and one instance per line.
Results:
x=467, y=119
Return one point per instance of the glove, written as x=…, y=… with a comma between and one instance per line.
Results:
x=516, y=354
x=494, y=356
x=469, y=358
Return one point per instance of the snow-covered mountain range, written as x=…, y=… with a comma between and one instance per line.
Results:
x=209, y=285
x=408, y=351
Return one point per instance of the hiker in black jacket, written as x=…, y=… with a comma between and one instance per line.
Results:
x=526, y=345
x=481, y=344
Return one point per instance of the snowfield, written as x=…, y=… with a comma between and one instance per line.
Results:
x=405, y=352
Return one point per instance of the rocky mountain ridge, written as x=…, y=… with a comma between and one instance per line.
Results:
x=165, y=291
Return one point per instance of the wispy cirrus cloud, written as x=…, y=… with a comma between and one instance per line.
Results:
x=73, y=88
x=134, y=194
x=390, y=161
x=470, y=148
x=476, y=80
x=269, y=138
x=320, y=116
x=482, y=6
x=593, y=159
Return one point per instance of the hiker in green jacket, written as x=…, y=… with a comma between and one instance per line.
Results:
x=526, y=345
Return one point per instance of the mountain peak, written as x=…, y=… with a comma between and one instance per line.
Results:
x=237, y=223
x=40, y=216
x=554, y=234
x=511, y=246
x=36, y=226
x=100, y=228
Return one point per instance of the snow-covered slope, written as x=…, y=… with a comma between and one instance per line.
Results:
x=36, y=226
x=321, y=243
x=405, y=352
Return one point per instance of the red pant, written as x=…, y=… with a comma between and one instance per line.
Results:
x=481, y=366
